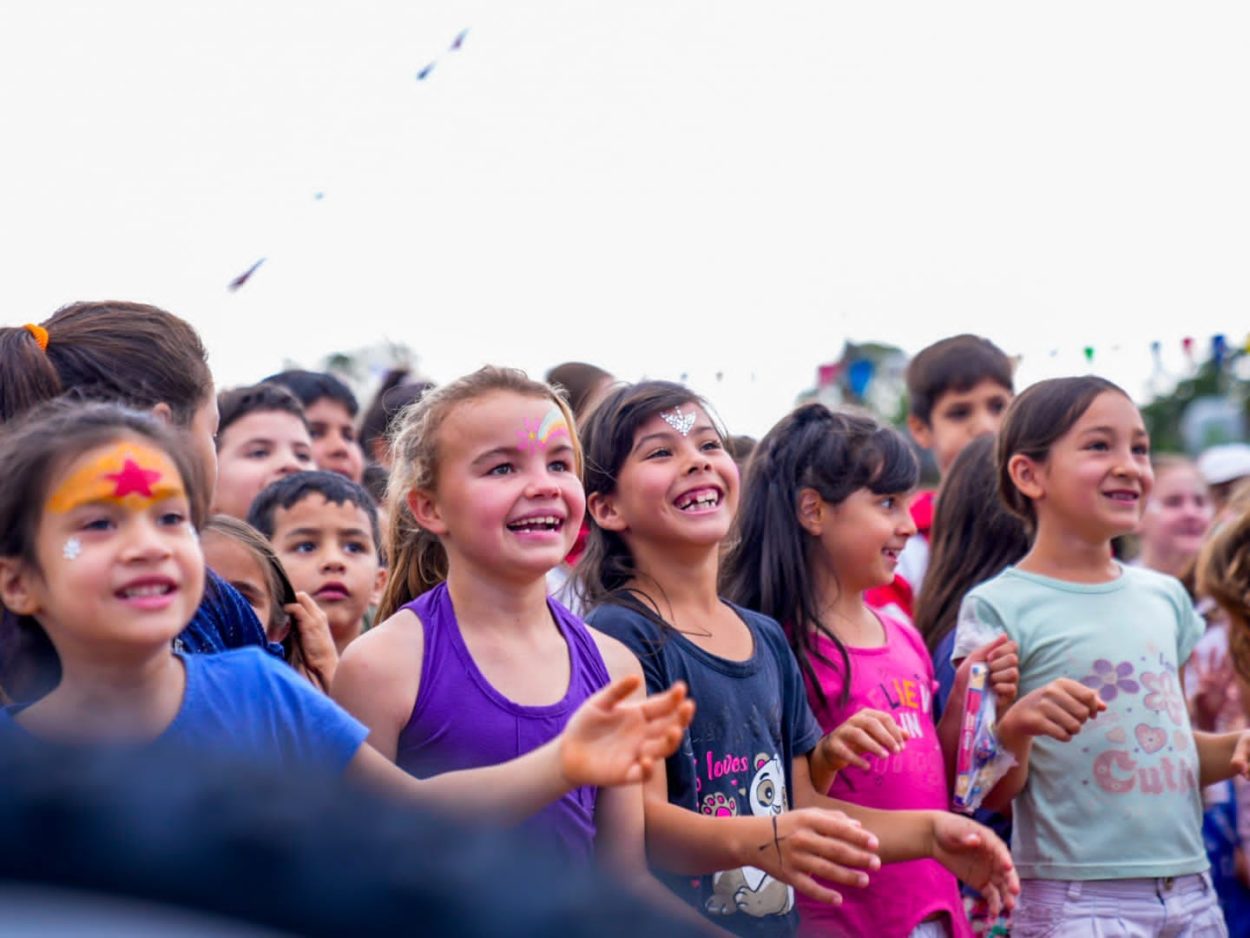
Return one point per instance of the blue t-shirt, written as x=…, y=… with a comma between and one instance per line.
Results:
x=245, y=705
x=1121, y=799
x=751, y=720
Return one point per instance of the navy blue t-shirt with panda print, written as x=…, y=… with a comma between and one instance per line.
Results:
x=751, y=719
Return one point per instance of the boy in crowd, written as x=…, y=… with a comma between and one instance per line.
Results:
x=958, y=389
x=263, y=436
x=324, y=529
x=331, y=409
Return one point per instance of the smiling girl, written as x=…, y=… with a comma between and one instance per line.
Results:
x=1107, y=826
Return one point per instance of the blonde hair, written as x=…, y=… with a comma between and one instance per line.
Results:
x=418, y=560
x=1223, y=570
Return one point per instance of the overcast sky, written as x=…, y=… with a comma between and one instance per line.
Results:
x=658, y=187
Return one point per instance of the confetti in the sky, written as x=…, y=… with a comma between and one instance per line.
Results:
x=454, y=47
x=243, y=277
x=459, y=40
x=425, y=72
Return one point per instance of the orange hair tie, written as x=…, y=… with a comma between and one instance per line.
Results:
x=40, y=334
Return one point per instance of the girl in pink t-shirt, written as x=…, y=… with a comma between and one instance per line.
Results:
x=824, y=517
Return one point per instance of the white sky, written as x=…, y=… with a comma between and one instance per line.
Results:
x=658, y=187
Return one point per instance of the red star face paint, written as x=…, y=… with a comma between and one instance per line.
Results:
x=124, y=474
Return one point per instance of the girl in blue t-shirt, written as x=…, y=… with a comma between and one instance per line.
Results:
x=736, y=821
x=1106, y=823
x=99, y=557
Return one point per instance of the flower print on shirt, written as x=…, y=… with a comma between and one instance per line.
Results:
x=1164, y=696
x=1110, y=680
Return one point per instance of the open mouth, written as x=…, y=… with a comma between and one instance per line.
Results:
x=699, y=500
x=536, y=524
x=151, y=593
x=1124, y=496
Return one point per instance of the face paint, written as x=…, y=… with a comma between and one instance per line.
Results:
x=72, y=548
x=123, y=474
x=539, y=435
x=680, y=422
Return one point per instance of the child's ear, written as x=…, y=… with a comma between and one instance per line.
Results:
x=1026, y=476
x=163, y=412
x=811, y=511
x=379, y=586
x=16, y=582
x=602, y=508
x=424, y=508
x=920, y=431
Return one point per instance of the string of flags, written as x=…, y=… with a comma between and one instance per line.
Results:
x=423, y=73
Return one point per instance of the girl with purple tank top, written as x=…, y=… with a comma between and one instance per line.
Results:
x=474, y=663
x=460, y=721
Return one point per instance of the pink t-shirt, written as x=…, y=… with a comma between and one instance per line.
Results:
x=898, y=679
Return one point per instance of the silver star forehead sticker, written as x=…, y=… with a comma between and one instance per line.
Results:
x=680, y=422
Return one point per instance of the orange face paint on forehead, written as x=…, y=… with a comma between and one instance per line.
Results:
x=121, y=474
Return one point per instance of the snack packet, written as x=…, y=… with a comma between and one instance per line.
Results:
x=980, y=763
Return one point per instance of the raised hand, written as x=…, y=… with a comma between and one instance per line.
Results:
x=319, y=657
x=611, y=740
x=976, y=855
x=871, y=732
x=1002, y=655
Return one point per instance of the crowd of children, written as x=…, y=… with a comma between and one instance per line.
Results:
x=733, y=684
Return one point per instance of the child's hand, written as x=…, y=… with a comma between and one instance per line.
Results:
x=1214, y=673
x=1058, y=710
x=816, y=842
x=1240, y=762
x=1003, y=657
x=975, y=855
x=868, y=731
x=315, y=642
x=610, y=740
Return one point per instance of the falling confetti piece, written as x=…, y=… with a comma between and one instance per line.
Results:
x=459, y=40
x=425, y=72
x=243, y=277
x=319, y=196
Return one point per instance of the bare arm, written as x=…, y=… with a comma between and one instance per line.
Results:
x=1221, y=756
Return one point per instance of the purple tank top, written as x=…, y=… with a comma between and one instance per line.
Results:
x=459, y=721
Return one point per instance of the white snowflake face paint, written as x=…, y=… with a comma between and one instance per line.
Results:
x=72, y=548
x=680, y=422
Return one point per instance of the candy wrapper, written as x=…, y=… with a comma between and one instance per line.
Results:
x=980, y=763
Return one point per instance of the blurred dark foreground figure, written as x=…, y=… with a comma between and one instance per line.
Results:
x=203, y=847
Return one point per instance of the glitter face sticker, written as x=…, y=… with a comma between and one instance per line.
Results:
x=122, y=474
x=72, y=548
x=682, y=423
x=540, y=434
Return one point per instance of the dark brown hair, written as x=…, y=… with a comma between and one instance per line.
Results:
x=417, y=559
x=974, y=537
x=130, y=353
x=394, y=395
x=770, y=567
x=958, y=363
x=577, y=381
x=33, y=450
x=1040, y=415
x=236, y=403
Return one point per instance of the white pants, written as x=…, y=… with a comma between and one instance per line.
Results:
x=1180, y=907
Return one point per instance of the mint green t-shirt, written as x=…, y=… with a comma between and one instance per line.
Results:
x=1121, y=799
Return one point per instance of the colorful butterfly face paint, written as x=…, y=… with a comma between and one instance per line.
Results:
x=129, y=474
x=539, y=435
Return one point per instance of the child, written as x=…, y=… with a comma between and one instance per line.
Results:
x=98, y=552
x=1107, y=827
x=1176, y=518
x=240, y=554
x=662, y=493
x=324, y=529
x=263, y=436
x=824, y=518
x=331, y=409
x=149, y=359
x=474, y=665
x=958, y=389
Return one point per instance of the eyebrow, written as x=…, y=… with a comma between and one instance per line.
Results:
x=317, y=532
x=667, y=435
x=1136, y=431
x=513, y=452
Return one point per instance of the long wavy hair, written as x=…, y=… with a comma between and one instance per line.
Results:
x=770, y=566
